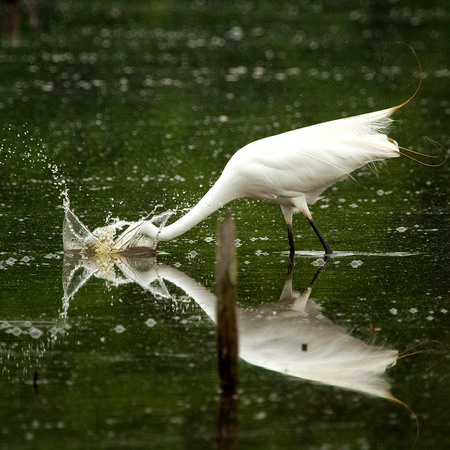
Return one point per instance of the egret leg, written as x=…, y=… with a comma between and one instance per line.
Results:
x=291, y=240
x=287, y=213
x=327, y=248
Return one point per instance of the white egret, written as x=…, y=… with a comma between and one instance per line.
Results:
x=291, y=169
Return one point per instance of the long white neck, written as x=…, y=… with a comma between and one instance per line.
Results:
x=220, y=194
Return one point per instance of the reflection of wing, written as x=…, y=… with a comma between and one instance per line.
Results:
x=290, y=336
x=308, y=345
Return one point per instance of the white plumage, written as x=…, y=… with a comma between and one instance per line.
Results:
x=291, y=169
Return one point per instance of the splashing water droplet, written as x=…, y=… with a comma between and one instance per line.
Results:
x=18, y=142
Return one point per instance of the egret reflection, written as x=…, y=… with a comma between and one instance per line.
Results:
x=290, y=336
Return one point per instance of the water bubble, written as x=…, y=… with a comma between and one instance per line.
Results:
x=235, y=33
x=318, y=262
x=29, y=436
x=54, y=331
x=16, y=331
x=401, y=229
x=36, y=333
x=150, y=322
x=356, y=263
x=119, y=329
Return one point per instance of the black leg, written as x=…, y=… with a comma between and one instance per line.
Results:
x=291, y=240
x=327, y=248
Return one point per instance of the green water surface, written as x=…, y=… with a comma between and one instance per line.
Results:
x=136, y=106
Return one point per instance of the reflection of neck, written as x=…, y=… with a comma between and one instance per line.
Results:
x=215, y=198
x=202, y=296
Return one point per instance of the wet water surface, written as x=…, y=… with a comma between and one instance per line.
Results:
x=133, y=109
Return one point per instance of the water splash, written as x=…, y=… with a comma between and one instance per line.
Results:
x=24, y=151
x=115, y=268
x=107, y=239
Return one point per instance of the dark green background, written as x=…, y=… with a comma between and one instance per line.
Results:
x=124, y=102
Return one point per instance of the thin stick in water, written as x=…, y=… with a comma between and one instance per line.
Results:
x=226, y=274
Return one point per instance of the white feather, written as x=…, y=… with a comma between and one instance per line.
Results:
x=291, y=169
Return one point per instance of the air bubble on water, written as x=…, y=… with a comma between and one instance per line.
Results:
x=356, y=263
x=55, y=330
x=35, y=333
x=119, y=329
x=261, y=415
x=150, y=322
x=51, y=256
x=318, y=262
